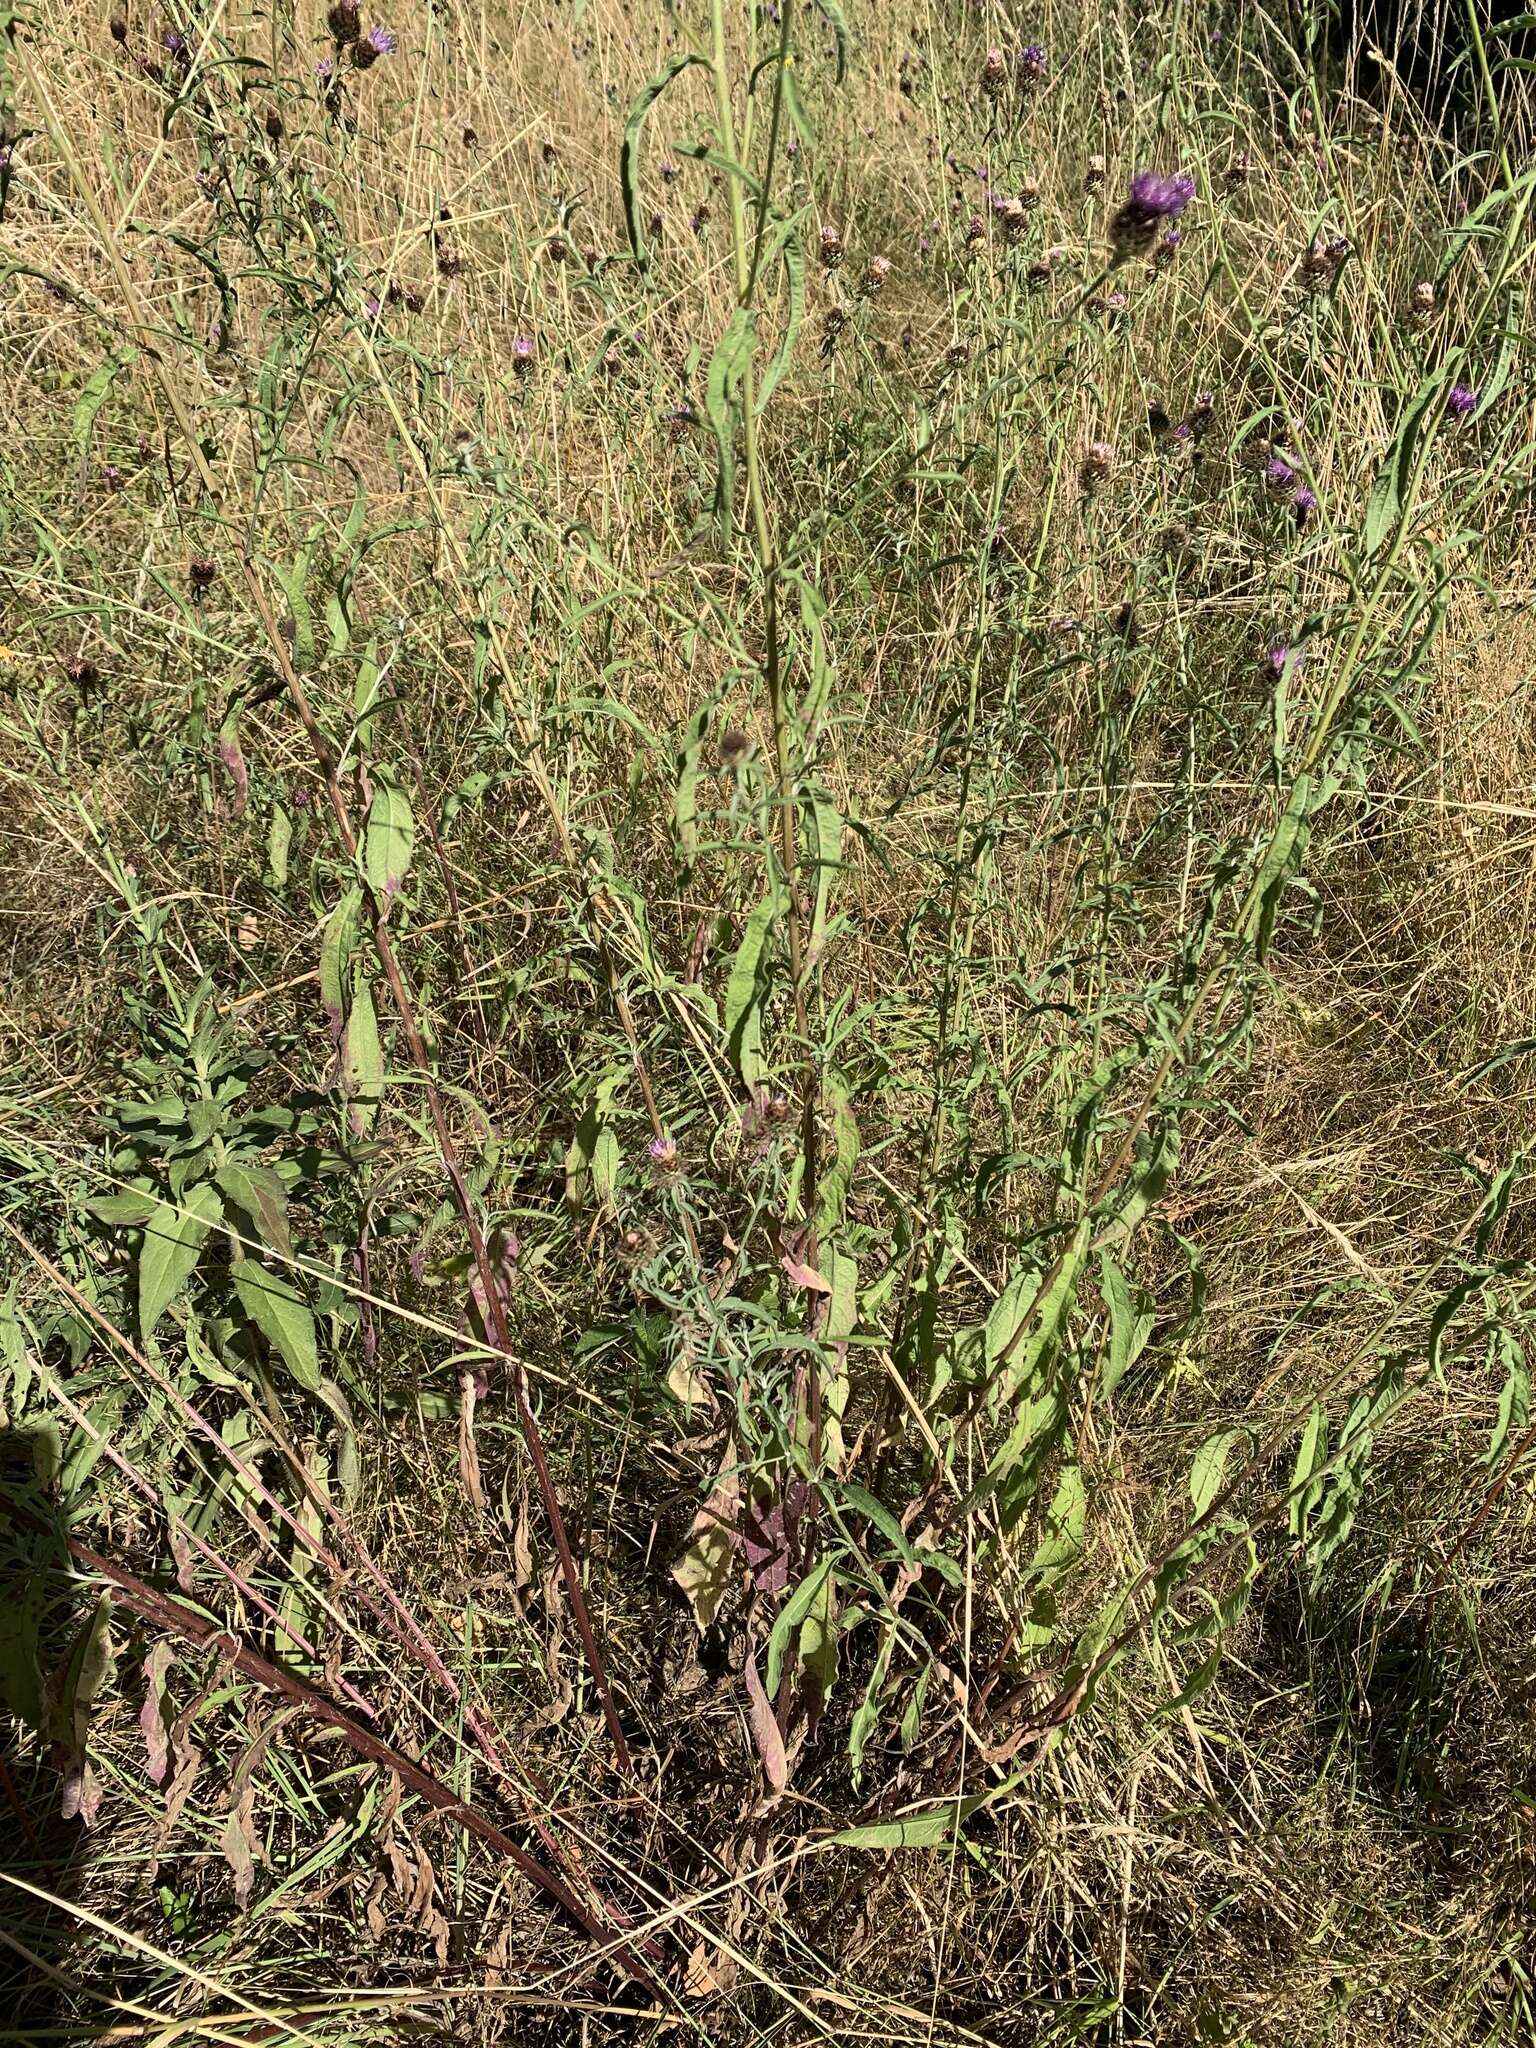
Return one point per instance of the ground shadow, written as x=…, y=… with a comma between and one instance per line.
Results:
x=42, y=1847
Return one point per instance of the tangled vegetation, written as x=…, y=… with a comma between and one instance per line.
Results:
x=766, y=1070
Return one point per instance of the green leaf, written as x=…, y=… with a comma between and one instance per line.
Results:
x=1514, y=1398
x=279, y=840
x=794, y=274
x=1209, y=1468
x=388, y=837
x=1066, y=1525
x=91, y=399
x=1311, y=1452
x=258, y=1193
x=818, y=1648
x=837, y=22
x=1017, y=1349
x=336, y=959
x=282, y=1317
x=1286, y=847
x=173, y=1242
x=743, y=992
x=123, y=1212
x=1200, y=1681
x=298, y=605
x=634, y=121
x=1129, y=1327
x=789, y=1618
x=685, y=807
x=362, y=1059
x=930, y=1830
x=722, y=385
x=1394, y=482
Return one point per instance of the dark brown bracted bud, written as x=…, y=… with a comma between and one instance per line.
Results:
x=345, y=22
x=274, y=125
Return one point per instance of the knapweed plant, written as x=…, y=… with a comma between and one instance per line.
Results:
x=769, y=1024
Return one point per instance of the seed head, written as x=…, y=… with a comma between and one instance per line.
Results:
x=831, y=247
x=200, y=573
x=82, y=672
x=1421, y=300
x=1096, y=462
x=1236, y=172
x=1094, y=174
x=1013, y=216
x=994, y=72
x=876, y=271
x=345, y=22
x=1324, y=260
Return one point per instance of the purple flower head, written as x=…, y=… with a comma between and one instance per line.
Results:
x=382, y=43
x=1034, y=65
x=1304, y=504
x=1155, y=202
x=524, y=351
x=174, y=42
x=662, y=1153
x=1183, y=432
x=1168, y=243
x=372, y=306
x=5, y=156
x=1166, y=197
x=1278, y=473
x=1279, y=656
x=1462, y=401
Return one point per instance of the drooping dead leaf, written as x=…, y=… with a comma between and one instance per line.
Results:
x=765, y=1729
x=153, y=1715
x=708, y=1973
x=704, y=1569
x=238, y=1842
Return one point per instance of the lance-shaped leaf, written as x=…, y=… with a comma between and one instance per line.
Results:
x=173, y=1243
x=282, y=1317
x=388, y=837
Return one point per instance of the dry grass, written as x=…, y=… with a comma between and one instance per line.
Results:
x=1292, y=1802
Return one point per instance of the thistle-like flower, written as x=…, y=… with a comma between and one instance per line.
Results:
x=200, y=573
x=663, y=1155
x=525, y=354
x=1034, y=67
x=378, y=42
x=1421, y=300
x=1094, y=174
x=994, y=72
x=830, y=246
x=1462, y=401
x=345, y=22
x=1154, y=203
x=1095, y=463
x=876, y=271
